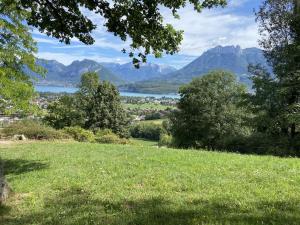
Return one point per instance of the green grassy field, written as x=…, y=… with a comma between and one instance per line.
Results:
x=79, y=183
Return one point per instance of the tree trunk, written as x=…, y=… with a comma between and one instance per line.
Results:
x=4, y=188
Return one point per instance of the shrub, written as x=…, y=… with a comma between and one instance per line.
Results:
x=153, y=116
x=80, y=134
x=263, y=144
x=33, y=130
x=108, y=137
x=165, y=140
x=148, y=131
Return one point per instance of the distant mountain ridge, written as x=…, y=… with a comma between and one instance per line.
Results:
x=153, y=78
x=146, y=71
x=59, y=74
x=229, y=58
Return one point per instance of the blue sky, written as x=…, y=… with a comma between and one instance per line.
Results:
x=233, y=25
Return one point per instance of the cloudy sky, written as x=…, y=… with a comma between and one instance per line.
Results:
x=234, y=25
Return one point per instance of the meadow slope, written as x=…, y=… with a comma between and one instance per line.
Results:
x=79, y=183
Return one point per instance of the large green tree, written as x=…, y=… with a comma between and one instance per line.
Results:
x=209, y=111
x=101, y=103
x=65, y=112
x=97, y=105
x=17, y=50
x=280, y=30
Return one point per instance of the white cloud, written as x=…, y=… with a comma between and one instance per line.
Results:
x=67, y=59
x=210, y=28
x=201, y=32
x=45, y=40
x=237, y=3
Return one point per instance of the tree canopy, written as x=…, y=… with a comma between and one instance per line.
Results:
x=96, y=106
x=279, y=22
x=209, y=111
x=139, y=21
x=17, y=50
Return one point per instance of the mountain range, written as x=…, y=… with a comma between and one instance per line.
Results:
x=153, y=78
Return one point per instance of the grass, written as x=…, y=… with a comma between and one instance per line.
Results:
x=79, y=183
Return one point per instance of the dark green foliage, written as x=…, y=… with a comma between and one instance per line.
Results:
x=279, y=25
x=80, y=134
x=209, y=111
x=264, y=144
x=108, y=137
x=149, y=131
x=165, y=140
x=64, y=113
x=102, y=105
x=139, y=21
x=153, y=116
x=17, y=50
x=265, y=102
x=96, y=106
x=33, y=130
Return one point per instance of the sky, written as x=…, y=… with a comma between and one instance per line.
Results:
x=233, y=25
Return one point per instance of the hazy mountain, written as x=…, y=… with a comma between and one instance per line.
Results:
x=156, y=78
x=146, y=71
x=59, y=74
x=230, y=58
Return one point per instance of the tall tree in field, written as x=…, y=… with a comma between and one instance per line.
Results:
x=17, y=50
x=280, y=30
x=101, y=103
x=209, y=111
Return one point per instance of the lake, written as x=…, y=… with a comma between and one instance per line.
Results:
x=56, y=89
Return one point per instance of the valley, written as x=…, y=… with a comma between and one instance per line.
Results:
x=153, y=78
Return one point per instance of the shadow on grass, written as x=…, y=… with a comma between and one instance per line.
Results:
x=19, y=166
x=76, y=206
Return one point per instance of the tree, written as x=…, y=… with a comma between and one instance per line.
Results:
x=66, y=112
x=96, y=106
x=265, y=102
x=104, y=110
x=139, y=21
x=280, y=30
x=209, y=111
x=17, y=50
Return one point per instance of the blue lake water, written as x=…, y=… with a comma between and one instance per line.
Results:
x=56, y=89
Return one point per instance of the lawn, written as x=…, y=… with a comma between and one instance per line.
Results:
x=79, y=183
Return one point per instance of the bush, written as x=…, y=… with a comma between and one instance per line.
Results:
x=80, y=134
x=108, y=137
x=153, y=116
x=148, y=131
x=165, y=140
x=33, y=130
x=263, y=144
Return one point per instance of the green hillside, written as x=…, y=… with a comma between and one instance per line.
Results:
x=79, y=183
